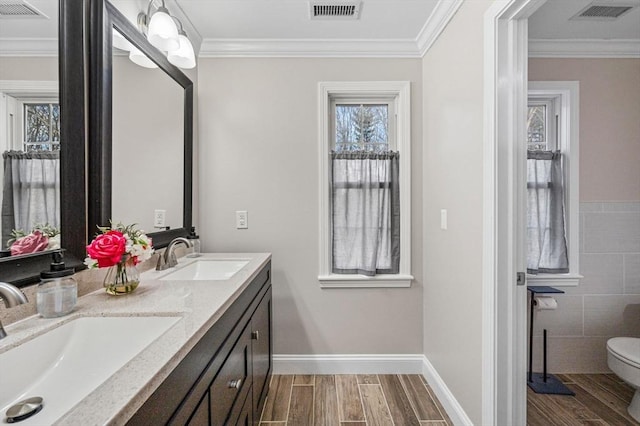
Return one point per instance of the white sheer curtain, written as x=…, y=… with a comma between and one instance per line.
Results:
x=31, y=192
x=365, y=213
x=547, y=245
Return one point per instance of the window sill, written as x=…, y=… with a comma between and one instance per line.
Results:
x=554, y=280
x=361, y=281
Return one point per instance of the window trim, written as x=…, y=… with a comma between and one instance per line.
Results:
x=568, y=107
x=400, y=91
x=19, y=90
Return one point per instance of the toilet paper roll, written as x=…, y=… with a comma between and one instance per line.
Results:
x=546, y=303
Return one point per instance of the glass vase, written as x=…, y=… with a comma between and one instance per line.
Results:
x=122, y=278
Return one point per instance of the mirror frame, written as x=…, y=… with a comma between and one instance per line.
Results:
x=103, y=18
x=25, y=269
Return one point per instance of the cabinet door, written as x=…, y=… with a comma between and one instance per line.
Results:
x=200, y=417
x=233, y=381
x=261, y=351
x=242, y=414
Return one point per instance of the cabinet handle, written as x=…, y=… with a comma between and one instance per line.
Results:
x=235, y=384
x=255, y=335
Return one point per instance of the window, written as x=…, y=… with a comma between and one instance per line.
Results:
x=364, y=162
x=552, y=183
x=41, y=126
x=362, y=125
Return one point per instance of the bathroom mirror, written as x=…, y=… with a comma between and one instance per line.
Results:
x=32, y=91
x=140, y=141
x=155, y=101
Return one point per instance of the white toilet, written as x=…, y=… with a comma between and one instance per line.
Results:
x=623, y=358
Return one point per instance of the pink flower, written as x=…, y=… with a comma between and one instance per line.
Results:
x=30, y=244
x=108, y=248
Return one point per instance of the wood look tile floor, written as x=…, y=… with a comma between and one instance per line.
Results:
x=352, y=400
x=601, y=399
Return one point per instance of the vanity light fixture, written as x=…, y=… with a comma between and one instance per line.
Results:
x=162, y=32
x=139, y=58
x=120, y=42
x=183, y=57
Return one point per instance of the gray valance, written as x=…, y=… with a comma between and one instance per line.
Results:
x=546, y=235
x=365, y=213
x=31, y=191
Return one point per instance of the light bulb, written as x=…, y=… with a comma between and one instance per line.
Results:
x=163, y=32
x=120, y=42
x=139, y=58
x=184, y=57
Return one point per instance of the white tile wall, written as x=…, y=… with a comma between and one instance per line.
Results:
x=603, y=273
x=632, y=273
x=606, y=303
x=612, y=231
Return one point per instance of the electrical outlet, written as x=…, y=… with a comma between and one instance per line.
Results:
x=158, y=218
x=242, y=220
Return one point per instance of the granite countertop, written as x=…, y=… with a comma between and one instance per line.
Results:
x=199, y=304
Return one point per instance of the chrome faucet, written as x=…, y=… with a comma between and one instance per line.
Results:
x=12, y=296
x=168, y=259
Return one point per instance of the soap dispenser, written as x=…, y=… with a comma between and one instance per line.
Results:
x=195, y=243
x=57, y=292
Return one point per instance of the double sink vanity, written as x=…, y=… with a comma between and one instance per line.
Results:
x=192, y=346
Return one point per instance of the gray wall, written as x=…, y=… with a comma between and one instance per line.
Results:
x=453, y=132
x=259, y=152
x=28, y=68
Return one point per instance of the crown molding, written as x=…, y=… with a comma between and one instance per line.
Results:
x=337, y=48
x=585, y=48
x=28, y=87
x=28, y=47
x=436, y=23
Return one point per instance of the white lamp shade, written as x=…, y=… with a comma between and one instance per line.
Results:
x=184, y=57
x=139, y=58
x=120, y=42
x=163, y=32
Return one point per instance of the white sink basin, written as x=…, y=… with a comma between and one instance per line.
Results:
x=207, y=269
x=67, y=363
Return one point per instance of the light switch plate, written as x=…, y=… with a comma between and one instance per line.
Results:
x=242, y=219
x=443, y=219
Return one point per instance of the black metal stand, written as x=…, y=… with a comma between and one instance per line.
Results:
x=542, y=382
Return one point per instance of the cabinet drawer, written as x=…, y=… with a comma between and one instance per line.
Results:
x=231, y=382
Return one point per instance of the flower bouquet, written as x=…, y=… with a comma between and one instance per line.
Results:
x=42, y=237
x=119, y=248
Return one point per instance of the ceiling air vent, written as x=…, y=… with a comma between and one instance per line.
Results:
x=603, y=11
x=18, y=9
x=334, y=10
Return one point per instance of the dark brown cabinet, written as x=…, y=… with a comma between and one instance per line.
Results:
x=225, y=378
x=261, y=353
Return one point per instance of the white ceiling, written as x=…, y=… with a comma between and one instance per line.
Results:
x=552, y=21
x=401, y=28
x=37, y=28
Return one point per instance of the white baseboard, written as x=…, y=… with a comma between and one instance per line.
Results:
x=348, y=364
x=444, y=395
